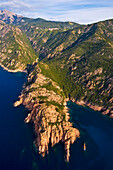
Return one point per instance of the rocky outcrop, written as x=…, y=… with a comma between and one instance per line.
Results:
x=48, y=113
x=52, y=127
x=13, y=71
x=19, y=102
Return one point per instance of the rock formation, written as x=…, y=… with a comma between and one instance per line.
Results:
x=49, y=113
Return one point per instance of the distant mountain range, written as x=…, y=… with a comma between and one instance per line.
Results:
x=72, y=61
x=12, y=18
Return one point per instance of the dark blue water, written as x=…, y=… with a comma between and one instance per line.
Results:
x=15, y=135
x=17, y=151
x=97, y=132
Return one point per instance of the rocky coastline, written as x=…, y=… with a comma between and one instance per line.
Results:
x=13, y=71
x=51, y=124
x=102, y=109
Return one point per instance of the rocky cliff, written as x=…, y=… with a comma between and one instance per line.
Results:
x=48, y=112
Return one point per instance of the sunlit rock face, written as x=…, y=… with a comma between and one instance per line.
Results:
x=9, y=17
x=48, y=113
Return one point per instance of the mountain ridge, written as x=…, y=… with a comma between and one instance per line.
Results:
x=12, y=18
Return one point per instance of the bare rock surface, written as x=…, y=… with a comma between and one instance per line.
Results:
x=48, y=112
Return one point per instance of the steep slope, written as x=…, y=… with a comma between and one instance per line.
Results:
x=80, y=61
x=50, y=42
x=15, y=50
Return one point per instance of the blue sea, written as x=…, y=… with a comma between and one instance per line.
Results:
x=17, y=150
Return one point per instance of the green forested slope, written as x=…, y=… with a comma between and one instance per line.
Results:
x=78, y=57
x=80, y=60
x=15, y=49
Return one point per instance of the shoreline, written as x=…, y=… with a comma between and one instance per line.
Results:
x=12, y=71
x=102, y=109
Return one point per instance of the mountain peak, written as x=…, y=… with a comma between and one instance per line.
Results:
x=8, y=16
x=6, y=12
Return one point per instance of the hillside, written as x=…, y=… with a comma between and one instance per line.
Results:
x=80, y=60
x=64, y=61
x=15, y=49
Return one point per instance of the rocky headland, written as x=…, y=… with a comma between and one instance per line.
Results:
x=48, y=112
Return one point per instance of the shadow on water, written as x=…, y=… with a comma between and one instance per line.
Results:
x=17, y=150
x=97, y=132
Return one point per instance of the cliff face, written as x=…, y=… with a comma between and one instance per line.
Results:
x=49, y=113
x=52, y=127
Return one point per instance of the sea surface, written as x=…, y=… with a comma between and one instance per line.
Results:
x=17, y=150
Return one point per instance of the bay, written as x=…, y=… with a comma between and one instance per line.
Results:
x=17, y=150
x=97, y=132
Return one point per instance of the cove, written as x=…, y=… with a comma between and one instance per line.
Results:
x=97, y=132
x=17, y=149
